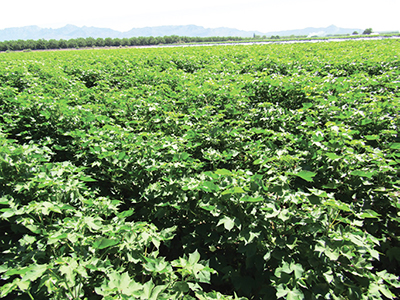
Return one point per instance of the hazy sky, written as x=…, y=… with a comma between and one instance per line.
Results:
x=254, y=15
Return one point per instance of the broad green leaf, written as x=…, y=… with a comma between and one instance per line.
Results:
x=4, y=201
x=68, y=271
x=259, y=161
x=337, y=204
x=93, y=223
x=147, y=288
x=126, y=213
x=270, y=210
x=247, y=198
x=34, y=272
x=7, y=288
x=295, y=294
x=281, y=291
x=181, y=286
x=366, y=121
x=194, y=257
x=362, y=173
x=121, y=155
x=298, y=269
x=7, y=213
x=3, y=268
x=306, y=175
x=156, y=292
x=223, y=172
x=87, y=179
x=185, y=155
x=328, y=276
x=207, y=207
x=333, y=156
x=56, y=237
x=227, y=222
x=127, y=286
x=209, y=186
x=356, y=240
x=318, y=193
x=124, y=282
x=372, y=137
x=234, y=190
x=386, y=292
x=103, y=243
x=23, y=285
x=368, y=213
x=395, y=146
x=332, y=255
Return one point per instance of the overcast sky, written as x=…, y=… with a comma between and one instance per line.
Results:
x=253, y=15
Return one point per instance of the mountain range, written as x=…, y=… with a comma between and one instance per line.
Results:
x=72, y=32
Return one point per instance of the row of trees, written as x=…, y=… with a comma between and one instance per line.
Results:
x=43, y=44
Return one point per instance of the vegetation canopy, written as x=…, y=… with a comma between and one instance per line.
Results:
x=234, y=172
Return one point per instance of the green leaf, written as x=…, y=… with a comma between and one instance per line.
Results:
x=156, y=292
x=362, y=173
x=207, y=206
x=227, y=222
x=333, y=156
x=4, y=201
x=93, y=223
x=395, y=146
x=270, y=210
x=372, y=137
x=147, y=288
x=298, y=269
x=234, y=190
x=127, y=286
x=125, y=213
x=121, y=155
x=7, y=213
x=318, y=193
x=68, y=270
x=3, y=268
x=337, y=204
x=306, y=175
x=281, y=291
x=7, y=288
x=332, y=255
x=247, y=198
x=194, y=257
x=259, y=161
x=23, y=285
x=103, y=243
x=209, y=186
x=386, y=292
x=185, y=155
x=34, y=272
x=87, y=179
x=181, y=286
x=368, y=213
x=223, y=172
x=328, y=276
x=56, y=237
x=295, y=295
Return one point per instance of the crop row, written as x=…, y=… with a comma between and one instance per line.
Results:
x=265, y=171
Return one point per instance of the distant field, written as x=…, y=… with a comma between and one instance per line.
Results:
x=236, y=172
x=168, y=41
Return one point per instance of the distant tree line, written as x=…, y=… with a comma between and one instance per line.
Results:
x=42, y=44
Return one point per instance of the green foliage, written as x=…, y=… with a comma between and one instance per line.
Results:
x=259, y=172
x=367, y=31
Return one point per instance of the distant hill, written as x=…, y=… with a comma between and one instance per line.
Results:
x=72, y=31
